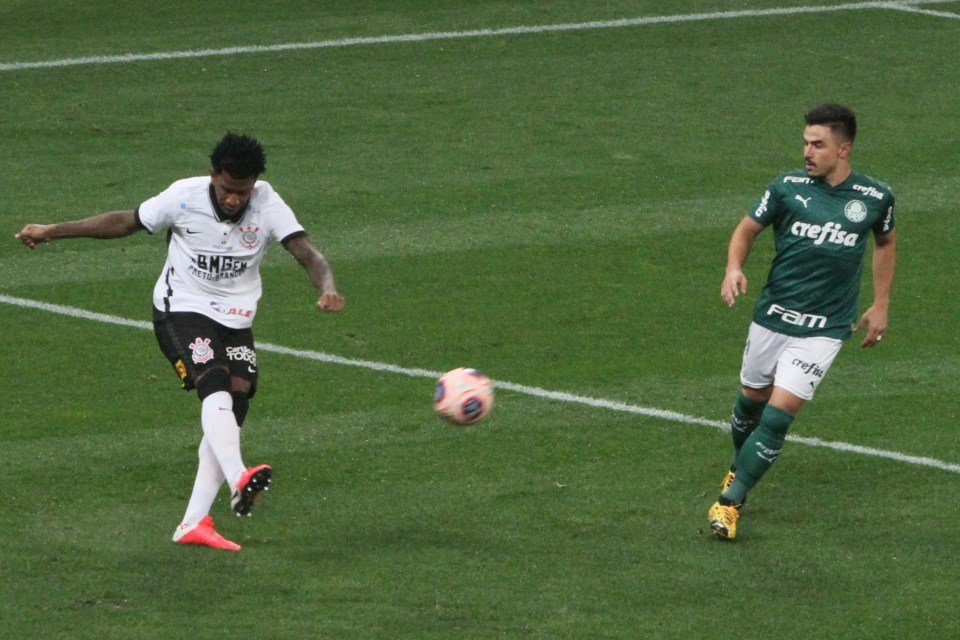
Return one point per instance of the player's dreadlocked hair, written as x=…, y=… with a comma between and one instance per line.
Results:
x=239, y=155
x=840, y=119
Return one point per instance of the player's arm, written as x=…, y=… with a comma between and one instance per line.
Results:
x=741, y=242
x=318, y=269
x=113, y=224
x=884, y=263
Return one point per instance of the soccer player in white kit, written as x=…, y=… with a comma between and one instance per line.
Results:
x=217, y=228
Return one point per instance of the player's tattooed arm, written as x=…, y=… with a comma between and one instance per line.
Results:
x=318, y=269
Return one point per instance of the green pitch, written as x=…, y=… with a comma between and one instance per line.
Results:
x=551, y=208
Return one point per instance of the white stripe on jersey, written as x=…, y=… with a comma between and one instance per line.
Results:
x=213, y=267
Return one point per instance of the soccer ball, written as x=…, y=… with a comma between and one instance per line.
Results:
x=463, y=396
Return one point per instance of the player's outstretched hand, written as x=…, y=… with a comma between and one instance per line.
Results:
x=875, y=321
x=33, y=234
x=331, y=302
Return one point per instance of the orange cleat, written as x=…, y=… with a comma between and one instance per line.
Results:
x=204, y=534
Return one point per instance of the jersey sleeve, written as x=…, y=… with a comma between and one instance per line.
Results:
x=884, y=224
x=283, y=222
x=160, y=211
x=769, y=207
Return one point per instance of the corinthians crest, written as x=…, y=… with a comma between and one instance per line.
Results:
x=855, y=211
x=249, y=236
x=201, y=351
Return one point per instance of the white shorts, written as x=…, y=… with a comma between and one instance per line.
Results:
x=795, y=364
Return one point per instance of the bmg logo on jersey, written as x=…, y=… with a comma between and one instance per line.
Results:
x=216, y=268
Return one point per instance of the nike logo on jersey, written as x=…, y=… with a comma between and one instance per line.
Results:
x=803, y=200
x=188, y=231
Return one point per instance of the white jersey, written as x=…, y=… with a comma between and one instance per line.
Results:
x=213, y=265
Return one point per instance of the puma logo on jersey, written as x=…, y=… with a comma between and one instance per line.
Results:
x=803, y=200
x=830, y=232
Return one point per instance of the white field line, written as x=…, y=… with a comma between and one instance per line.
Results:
x=556, y=396
x=906, y=5
x=930, y=12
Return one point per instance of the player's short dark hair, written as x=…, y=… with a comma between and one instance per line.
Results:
x=239, y=155
x=841, y=120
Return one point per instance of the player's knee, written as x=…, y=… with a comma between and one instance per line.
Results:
x=212, y=381
x=760, y=395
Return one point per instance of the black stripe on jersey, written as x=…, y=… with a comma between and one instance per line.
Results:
x=136, y=217
x=166, y=298
x=293, y=236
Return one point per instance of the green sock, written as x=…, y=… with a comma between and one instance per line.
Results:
x=759, y=452
x=746, y=415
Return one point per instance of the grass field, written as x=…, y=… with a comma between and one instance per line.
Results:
x=551, y=207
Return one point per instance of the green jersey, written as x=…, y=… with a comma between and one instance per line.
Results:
x=820, y=235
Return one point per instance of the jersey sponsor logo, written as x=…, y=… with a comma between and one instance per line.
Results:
x=762, y=207
x=250, y=236
x=811, y=368
x=797, y=180
x=888, y=219
x=231, y=311
x=869, y=191
x=242, y=354
x=855, y=211
x=830, y=232
x=217, y=267
x=201, y=351
x=796, y=318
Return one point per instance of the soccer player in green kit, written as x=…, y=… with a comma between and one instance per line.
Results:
x=821, y=216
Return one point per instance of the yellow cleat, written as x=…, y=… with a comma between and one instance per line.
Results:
x=723, y=520
x=727, y=480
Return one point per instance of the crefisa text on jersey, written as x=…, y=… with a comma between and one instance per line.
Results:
x=869, y=191
x=830, y=232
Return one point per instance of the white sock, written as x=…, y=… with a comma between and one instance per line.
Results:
x=222, y=434
x=205, y=487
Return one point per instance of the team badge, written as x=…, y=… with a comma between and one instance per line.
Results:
x=201, y=350
x=250, y=236
x=855, y=211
